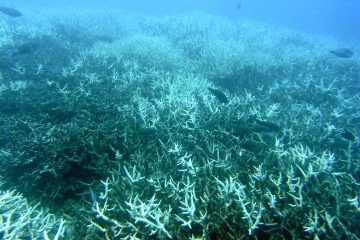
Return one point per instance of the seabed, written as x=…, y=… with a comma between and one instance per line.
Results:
x=188, y=126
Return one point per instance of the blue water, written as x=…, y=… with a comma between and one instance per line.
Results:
x=337, y=18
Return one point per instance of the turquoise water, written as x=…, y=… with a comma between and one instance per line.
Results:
x=178, y=121
x=337, y=18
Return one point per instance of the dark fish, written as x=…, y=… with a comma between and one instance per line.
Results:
x=12, y=12
x=104, y=38
x=342, y=52
x=253, y=146
x=268, y=137
x=242, y=130
x=259, y=128
x=270, y=125
x=238, y=6
x=348, y=135
x=219, y=95
x=26, y=48
x=146, y=132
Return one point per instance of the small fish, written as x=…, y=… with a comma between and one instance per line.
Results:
x=259, y=128
x=253, y=146
x=26, y=48
x=219, y=95
x=342, y=52
x=242, y=131
x=238, y=6
x=93, y=197
x=146, y=132
x=348, y=135
x=12, y=12
x=104, y=38
x=270, y=125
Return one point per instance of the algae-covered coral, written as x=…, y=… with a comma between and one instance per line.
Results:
x=123, y=140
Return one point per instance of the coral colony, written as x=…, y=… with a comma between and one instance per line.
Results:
x=116, y=126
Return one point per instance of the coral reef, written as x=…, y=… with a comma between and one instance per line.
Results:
x=180, y=127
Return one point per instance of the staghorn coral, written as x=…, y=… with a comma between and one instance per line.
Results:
x=126, y=141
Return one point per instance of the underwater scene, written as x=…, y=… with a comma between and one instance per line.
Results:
x=191, y=120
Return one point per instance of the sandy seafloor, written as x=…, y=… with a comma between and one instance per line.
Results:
x=184, y=126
